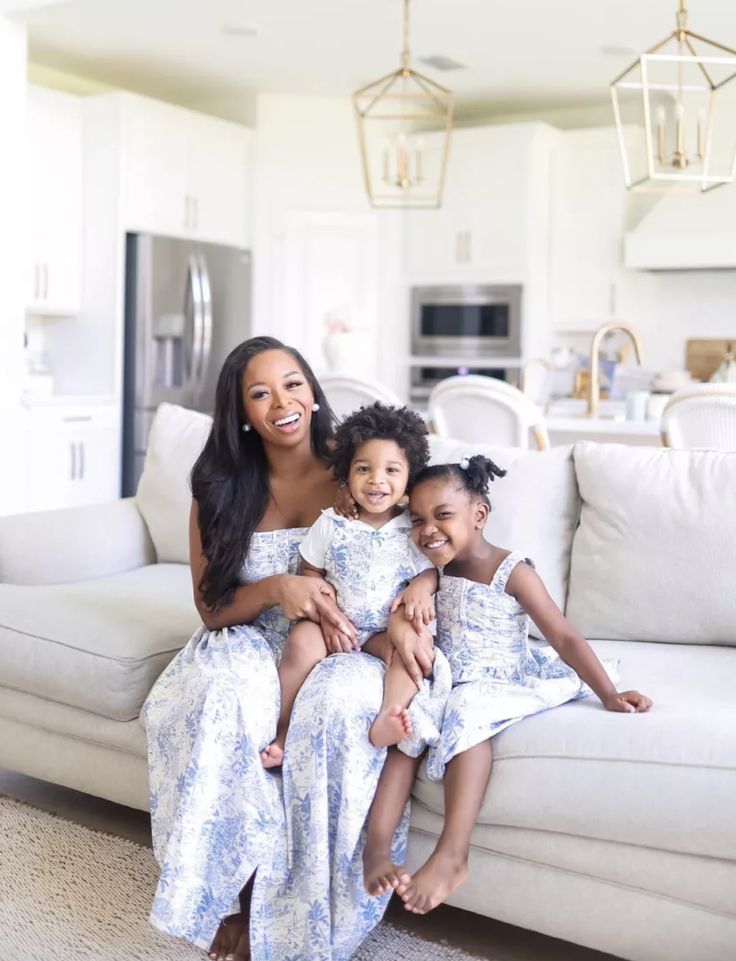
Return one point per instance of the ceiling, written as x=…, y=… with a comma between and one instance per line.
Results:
x=518, y=54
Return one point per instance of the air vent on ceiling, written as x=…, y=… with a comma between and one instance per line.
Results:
x=440, y=62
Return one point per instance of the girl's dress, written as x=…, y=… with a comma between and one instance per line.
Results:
x=368, y=568
x=498, y=678
x=217, y=815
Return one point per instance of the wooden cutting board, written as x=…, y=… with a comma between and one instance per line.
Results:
x=704, y=357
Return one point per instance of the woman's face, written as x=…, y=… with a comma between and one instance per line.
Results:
x=277, y=398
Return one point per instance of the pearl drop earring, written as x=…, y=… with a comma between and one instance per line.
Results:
x=315, y=408
x=245, y=427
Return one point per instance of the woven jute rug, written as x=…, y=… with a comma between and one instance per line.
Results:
x=68, y=893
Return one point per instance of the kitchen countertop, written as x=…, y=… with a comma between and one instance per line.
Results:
x=582, y=424
x=68, y=400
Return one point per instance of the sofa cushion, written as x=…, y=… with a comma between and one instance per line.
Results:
x=535, y=507
x=651, y=558
x=665, y=779
x=97, y=645
x=164, y=496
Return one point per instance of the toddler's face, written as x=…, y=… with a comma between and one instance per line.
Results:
x=443, y=519
x=379, y=473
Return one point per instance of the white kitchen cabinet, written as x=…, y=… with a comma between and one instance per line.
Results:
x=54, y=202
x=185, y=173
x=13, y=455
x=73, y=456
x=588, y=205
x=482, y=225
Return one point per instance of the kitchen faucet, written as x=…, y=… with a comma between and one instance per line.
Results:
x=594, y=390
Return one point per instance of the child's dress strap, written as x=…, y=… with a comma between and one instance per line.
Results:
x=503, y=572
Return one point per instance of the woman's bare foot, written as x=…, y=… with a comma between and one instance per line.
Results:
x=390, y=726
x=273, y=755
x=232, y=942
x=381, y=875
x=434, y=882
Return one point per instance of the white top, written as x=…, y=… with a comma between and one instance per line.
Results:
x=368, y=567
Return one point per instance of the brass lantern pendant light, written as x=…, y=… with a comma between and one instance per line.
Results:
x=404, y=128
x=675, y=112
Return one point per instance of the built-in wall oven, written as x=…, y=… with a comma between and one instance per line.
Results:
x=464, y=330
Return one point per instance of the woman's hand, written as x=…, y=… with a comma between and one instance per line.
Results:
x=313, y=599
x=336, y=641
x=344, y=503
x=628, y=702
x=414, y=647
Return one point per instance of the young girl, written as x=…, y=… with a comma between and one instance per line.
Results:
x=484, y=598
x=372, y=564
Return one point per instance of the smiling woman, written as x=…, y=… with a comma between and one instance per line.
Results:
x=221, y=820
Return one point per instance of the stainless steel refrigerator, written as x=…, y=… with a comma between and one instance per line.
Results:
x=187, y=304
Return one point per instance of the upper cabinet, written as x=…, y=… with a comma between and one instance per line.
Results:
x=588, y=206
x=185, y=174
x=54, y=202
x=482, y=228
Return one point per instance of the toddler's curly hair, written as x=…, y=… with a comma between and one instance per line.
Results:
x=379, y=422
x=474, y=474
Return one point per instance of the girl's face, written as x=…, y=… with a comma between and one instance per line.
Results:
x=446, y=520
x=379, y=473
x=277, y=398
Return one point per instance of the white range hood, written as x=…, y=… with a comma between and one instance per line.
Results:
x=686, y=231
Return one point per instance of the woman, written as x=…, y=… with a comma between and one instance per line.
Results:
x=223, y=826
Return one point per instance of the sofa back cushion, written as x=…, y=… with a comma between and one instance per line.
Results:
x=164, y=496
x=652, y=557
x=535, y=507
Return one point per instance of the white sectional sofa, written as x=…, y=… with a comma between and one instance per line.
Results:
x=609, y=830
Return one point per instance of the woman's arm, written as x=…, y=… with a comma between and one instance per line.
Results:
x=526, y=586
x=299, y=597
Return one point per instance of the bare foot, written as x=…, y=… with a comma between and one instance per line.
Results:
x=390, y=726
x=273, y=755
x=434, y=882
x=381, y=875
x=232, y=942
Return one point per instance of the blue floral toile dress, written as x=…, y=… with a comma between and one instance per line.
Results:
x=218, y=815
x=498, y=678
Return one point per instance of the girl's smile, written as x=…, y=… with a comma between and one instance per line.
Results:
x=445, y=520
x=378, y=476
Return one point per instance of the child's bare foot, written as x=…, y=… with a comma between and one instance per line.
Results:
x=231, y=943
x=273, y=755
x=381, y=875
x=390, y=726
x=434, y=882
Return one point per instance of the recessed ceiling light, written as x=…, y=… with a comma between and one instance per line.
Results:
x=239, y=30
x=440, y=62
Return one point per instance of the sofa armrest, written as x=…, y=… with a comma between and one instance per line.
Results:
x=73, y=544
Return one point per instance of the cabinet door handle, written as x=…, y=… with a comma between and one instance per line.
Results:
x=186, y=210
x=468, y=246
x=73, y=468
x=81, y=460
x=45, y=281
x=195, y=205
x=35, y=281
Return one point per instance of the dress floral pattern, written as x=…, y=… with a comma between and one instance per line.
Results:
x=498, y=678
x=368, y=568
x=217, y=815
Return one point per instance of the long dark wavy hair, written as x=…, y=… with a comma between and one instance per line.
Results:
x=230, y=479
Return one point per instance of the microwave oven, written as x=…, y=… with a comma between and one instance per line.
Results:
x=466, y=322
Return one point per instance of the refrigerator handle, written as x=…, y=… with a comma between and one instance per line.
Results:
x=206, y=291
x=194, y=293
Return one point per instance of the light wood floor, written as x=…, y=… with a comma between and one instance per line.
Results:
x=459, y=929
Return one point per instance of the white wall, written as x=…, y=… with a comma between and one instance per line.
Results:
x=309, y=199
x=13, y=261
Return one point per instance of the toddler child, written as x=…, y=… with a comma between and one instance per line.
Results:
x=371, y=561
x=485, y=598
